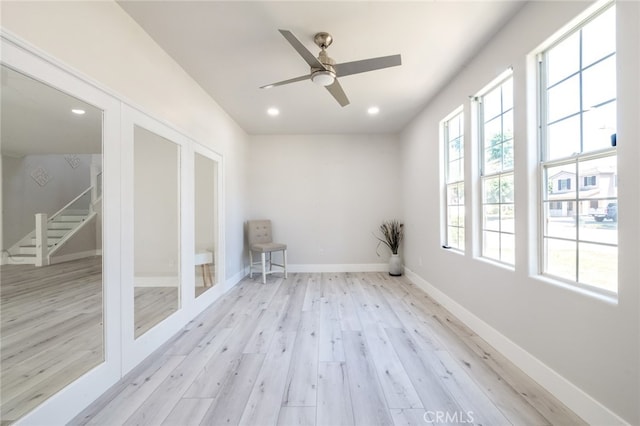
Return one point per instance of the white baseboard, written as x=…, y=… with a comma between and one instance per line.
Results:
x=235, y=278
x=348, y=267
x=156, y=281
x=581, y=403
x=74, y=256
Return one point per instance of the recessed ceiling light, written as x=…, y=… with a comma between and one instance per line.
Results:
x=273, y=111
x=78, y=111
x=373, y=110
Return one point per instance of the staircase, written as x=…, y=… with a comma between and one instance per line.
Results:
x=50, y=234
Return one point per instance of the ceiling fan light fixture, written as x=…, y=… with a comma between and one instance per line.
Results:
x=323, y=77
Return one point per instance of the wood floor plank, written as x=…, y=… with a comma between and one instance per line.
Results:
x=313, y=295
x=157, y=407
x=297, y=416
x=217, y=370
x=330, y=339
x=265, y=400
x=129, y=399
x=334, y=397
x=188, y=412
x=367, y=396
x=410, y=417
x=302, y=380
x=231, y=401
x=398, y=389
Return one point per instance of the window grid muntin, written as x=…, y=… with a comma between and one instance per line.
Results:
x=501, y=173
x=577, y=159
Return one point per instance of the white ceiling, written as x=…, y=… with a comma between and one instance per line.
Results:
x=231, y=48
x=37, y=119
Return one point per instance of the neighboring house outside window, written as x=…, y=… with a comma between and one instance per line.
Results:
x=495, y=109
x=579, y=164
x=453, y=145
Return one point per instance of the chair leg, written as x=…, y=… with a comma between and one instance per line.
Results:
x=250, y=264
x=264, y=268
x=284, y=256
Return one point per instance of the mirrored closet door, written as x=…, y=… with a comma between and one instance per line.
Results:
x=51, y=277
x=156, y=227
x=207, y=273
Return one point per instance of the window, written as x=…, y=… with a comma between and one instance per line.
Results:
x=496, y=139
x=453, y=135
x=578, y=119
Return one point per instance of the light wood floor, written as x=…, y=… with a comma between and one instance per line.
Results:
x=50, y=330
x=326, y=349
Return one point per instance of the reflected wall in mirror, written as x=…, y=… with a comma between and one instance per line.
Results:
x=206, y=223
x=51, y=304
x=156, y=229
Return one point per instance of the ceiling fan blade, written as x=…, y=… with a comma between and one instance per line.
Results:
x=336, y=91
x=291, y=80
x=357, y=67
x=303, y=51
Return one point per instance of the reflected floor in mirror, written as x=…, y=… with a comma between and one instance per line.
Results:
x=152, y=305
x=51, y=330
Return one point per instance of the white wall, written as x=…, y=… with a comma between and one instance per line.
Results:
x=325, y=194
x=590, y=342
x=23, y=197
x=102, y=42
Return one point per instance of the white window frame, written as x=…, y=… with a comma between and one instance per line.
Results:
x=574, y=198
x=508, y=172
x=451, y=183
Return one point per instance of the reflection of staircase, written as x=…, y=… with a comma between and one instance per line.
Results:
x=57, y=232
x=51, y=234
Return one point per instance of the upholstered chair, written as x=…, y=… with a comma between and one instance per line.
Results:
x=261, y=241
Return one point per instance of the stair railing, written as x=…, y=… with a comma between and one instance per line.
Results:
x=43, y=252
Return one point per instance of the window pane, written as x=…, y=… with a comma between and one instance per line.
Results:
x=563, y=138
x=507, y=155
x=492, y=104
x=455, y=149
x=507, y=248
x=455, y=171
x=507, y=216
x=492, y=159
x=560, y=258
x=598, y=266
x=506, y=189
x=603, y=169
x=491, y=217
x=455, y=127
x=559, y=182
x=563, y=59
x=559, y=220
x=507, y=95
x=563, y=99
x=599, y=83
x=507, y=126
x=491, y=245
x=594, y=228
x=491, y=190
x=599, y=37
x=599, y=125
x=493, y=132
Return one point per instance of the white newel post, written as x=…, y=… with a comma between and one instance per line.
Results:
x=42, y=244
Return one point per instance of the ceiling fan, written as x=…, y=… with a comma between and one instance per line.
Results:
x=325, y=71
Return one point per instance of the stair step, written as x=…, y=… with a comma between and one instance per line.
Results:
x=51, y=240
x=56, y=233
x=61, y=225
